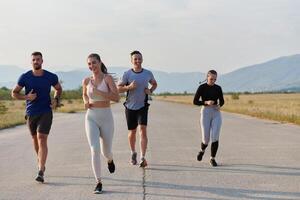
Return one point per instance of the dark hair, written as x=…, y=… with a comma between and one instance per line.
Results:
x=135, y=52
x=214, y=72
x=36, y=53
x=103, y=67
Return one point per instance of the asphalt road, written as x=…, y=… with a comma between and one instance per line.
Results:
x=258, y=159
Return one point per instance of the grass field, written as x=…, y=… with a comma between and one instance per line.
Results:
x=14, y=115
x=279, y=107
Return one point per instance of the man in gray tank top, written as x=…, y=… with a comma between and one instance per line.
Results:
x=135, y=83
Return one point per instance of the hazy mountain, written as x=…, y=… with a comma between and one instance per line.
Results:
x=168, y=82
x=72, y=79
x=9, y=75
x=280, y=74
x=178, y=82
x=9, y=72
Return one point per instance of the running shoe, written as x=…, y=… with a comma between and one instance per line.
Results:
x=133, y=158
x=40, y=177
x=200, y=155
x=98, y=188
x=143, y=163
x=213, y=162
x=111, y=166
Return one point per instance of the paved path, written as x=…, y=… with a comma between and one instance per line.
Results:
x=258, y=159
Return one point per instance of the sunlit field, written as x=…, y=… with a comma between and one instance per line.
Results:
x=12, y=113
x=279, y=107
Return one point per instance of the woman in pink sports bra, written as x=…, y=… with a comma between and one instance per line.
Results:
x=98, y=90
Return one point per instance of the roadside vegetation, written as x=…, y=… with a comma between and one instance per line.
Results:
x=12, y=112
x=284, y=107
x=280, y=107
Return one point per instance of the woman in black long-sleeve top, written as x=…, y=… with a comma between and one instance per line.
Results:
x=210, y=97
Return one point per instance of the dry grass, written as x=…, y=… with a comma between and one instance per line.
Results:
x=16, y=111
x=279, y=107
x=14, y=114
x=71, y=106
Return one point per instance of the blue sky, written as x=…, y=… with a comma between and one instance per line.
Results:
x=173, y=35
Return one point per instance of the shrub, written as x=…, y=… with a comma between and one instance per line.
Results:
x=250, y=102
x=3, y=108
x=4, y=93
x=235, y=96
x=70, y=101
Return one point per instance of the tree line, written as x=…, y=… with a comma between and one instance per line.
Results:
x=5, y=94
x=77, y=93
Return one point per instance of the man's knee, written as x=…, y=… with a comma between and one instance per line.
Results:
x=143, y=128
x=132, y=132
x=42, y=138
x=34, y=137
x=143, y=131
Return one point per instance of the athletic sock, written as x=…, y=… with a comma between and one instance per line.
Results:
x=214, y=148
x=203, y=146
x=132, y=152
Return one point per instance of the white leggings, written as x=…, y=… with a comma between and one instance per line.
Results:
x=99, y=127
x=210, y=122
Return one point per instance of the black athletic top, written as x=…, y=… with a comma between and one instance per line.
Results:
x=209, y=92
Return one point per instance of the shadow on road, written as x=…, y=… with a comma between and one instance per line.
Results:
x=233, y=168
x=185, y=189
x=224, y=192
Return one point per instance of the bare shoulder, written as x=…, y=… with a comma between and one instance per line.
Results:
x=86, y=80
x=108, y=78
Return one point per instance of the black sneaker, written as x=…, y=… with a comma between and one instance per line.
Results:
x=133, y=158
x=40, y=177
x=143, y=163
x=111, y=166
x=98, y=188
x=200, y=155
x=213, y=162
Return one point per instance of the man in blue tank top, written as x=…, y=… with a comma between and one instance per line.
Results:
x=37, y=83
x=135, y=82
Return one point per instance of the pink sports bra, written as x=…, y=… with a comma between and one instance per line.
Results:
x=93, y=97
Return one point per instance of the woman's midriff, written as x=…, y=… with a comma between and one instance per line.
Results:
x=100, y=104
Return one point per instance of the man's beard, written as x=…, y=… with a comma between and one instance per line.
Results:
x=37, y=67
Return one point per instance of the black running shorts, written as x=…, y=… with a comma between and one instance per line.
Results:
x=136, y=117
x=39, y=123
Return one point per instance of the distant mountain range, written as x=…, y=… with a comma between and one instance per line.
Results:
x=281, y=74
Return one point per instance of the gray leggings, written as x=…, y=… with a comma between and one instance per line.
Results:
x=210, y=122
x=99, y=127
